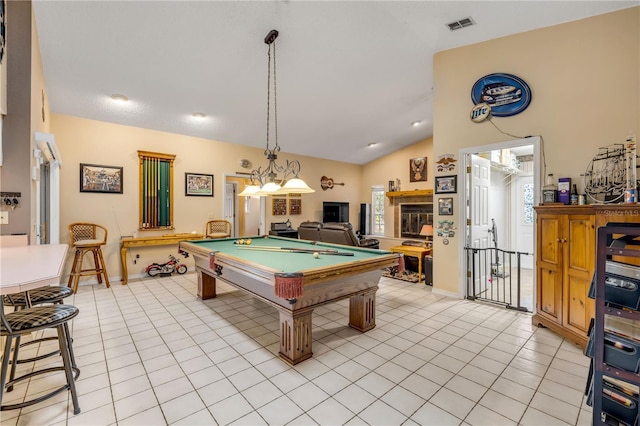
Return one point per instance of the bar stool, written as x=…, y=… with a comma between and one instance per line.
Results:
x=217, y=228
x=85, y=238
x=29, y=320
x=38, y=296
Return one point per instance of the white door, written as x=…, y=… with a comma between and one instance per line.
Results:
x=480, y=182
x=230, y=205
x=479, y=202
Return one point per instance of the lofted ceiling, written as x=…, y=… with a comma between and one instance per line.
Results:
x=349, y=73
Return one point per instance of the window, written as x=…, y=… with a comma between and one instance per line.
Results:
x=528, y=203
x=156, y=190
x=377, y=201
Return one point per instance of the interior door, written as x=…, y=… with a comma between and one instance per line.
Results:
x=480, y=182
x=44, y=209
x=479, y=202
x=230, y=205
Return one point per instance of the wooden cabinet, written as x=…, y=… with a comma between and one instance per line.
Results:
x=564, y=269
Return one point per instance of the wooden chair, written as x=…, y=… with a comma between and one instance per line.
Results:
x=87, y=238
x=217, y=228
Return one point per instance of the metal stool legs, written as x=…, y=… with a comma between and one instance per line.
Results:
x=31, y=320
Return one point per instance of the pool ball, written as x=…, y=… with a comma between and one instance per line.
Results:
x=316, y=254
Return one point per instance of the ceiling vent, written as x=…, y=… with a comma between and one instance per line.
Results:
x=462, y=23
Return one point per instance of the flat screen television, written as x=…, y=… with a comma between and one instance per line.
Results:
x=335, y=212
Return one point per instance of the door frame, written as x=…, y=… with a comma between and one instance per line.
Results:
x=464, y=155
x=263, y=204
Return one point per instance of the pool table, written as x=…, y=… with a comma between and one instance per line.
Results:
x=294, y=282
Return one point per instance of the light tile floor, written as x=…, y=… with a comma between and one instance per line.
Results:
x=151, y=353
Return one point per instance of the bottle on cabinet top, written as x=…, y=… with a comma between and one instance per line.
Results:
x=573, y=198
x=549, y=190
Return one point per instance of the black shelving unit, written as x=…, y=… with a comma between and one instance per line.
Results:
x=605, y=251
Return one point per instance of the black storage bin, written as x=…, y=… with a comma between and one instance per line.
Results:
x=428, y=270
x=621, y=288
x=411, y=263
x=619, y=351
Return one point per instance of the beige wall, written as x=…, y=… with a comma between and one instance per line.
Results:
x=392, y=166
x=94, y=142
x=585, y=83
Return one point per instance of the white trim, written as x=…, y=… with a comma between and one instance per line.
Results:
x=462, y=191
x=263, y=204
x=49, y=154
x=446, y=293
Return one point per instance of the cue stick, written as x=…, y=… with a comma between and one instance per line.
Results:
x=298, y=249
x=292, y=250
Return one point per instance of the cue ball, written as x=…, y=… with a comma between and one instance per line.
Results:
x=316, y=255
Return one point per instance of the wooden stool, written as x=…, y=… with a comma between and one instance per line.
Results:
x=85, y=239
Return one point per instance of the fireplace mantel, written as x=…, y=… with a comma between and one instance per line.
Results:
x=406, y=194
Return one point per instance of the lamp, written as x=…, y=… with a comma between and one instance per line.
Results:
x=264, y=181
x=427, y=231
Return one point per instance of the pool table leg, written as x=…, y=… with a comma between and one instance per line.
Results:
x=295, y=335
x=206, y=285
x=362, y=310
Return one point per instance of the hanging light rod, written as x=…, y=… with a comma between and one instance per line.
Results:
x=265, y=181
x=271, y=37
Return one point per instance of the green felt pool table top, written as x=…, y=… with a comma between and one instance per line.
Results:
x=282, y=260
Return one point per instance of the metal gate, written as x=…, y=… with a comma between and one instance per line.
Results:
x=494, y=275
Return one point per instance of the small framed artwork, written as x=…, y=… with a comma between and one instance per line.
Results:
x=445, y=206
x=96, y=178
x=446, y=184
x=295, y=206
x=418, y=169
x=198, y=184
x=279, y=207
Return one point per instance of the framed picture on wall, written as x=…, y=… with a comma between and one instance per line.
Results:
x=198, y=184
x=445, y=206
x=418, y=169
x=96, y=178
x=295, y=206
x=279, y=206
x=446, y=184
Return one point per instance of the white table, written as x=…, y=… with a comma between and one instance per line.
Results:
x=27, y=267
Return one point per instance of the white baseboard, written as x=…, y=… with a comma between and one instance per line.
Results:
x=446, y=293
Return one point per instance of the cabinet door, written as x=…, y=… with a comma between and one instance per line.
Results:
x=579, y=260
x=549, y=267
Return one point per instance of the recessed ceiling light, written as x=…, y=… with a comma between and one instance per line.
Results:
x=199, y=115
x=416, y=123
x=372, y=144
x=119, y=98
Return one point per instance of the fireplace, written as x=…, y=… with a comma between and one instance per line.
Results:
x=413, y=216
